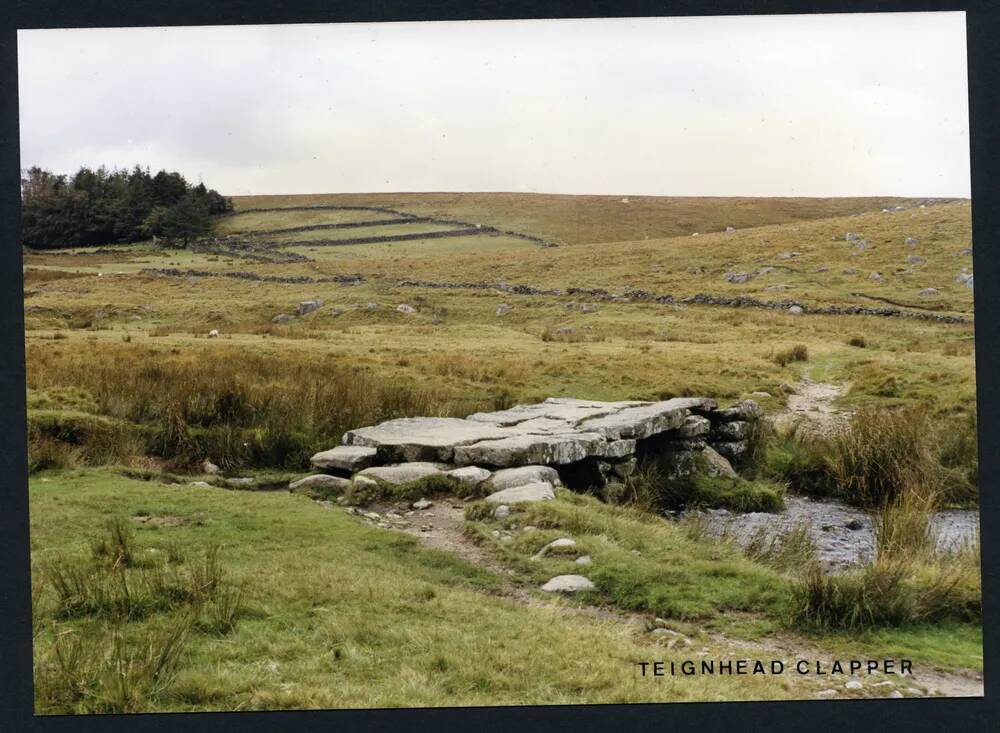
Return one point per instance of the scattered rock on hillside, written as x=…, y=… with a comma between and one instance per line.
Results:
x=308, y=306
x=503, y=309
x=852, y=237
x=214, y=333
x=777, y=287
x=730, y=229
x=915, y=260
x=795, y=310
x=553, y=545
x=568, y=584
x=238, y=483
x=348, y=458
x=421, y=504
x=208, y=467
x=911, y=241
x=371, y=306
x=876, y=277
x=404, y=308
x=320, y=481
x=540, y=491
x=965, y=252
x=926, y=292
x=589, y=308
x=501, y=512
x=738, y=277
x=281, y=318
x=583, y=560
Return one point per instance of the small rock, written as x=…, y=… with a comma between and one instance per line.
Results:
x=568, y=584
x=876, y=277
x=795, y=310
x=404, y=308
x=760, y=394
x=927, y=292
x=371, y=306
x=738, y=277
x=915, y=260
x=421, y=504
x=308, y=306
x=508, y=478
x=237, y=483
x=716, y=464
x=202, y=484
x=583, y=560
x=469, y=475
x=320, y=481
x=349, y=458
x=502, y=309
x=501, y=512
x=854, y=524
x=826, y=693
x=214, y=333
x=281, y=318
x=853, y=685
x=588, y=308
x=208, y=467
x=554, y=544
x=896, y=694
x=730, y=230
x=911, y=241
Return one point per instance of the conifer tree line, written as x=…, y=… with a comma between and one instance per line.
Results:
x=95, y=207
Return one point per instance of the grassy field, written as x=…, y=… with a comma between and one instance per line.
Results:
x=123, y=377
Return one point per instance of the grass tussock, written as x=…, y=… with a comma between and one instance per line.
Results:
x=798, y=352
x=880, y=455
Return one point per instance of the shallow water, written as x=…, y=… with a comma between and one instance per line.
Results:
x=830, y=523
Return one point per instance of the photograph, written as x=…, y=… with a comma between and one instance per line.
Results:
x=482, y=363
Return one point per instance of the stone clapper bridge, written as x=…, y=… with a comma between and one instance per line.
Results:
x=521, y=454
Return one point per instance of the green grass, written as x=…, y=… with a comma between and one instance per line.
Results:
x=340, y=614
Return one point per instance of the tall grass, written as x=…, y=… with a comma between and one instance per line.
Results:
x=95, y=659
x=236, y=408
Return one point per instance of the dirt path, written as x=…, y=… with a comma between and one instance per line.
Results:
x=441, y=526
x=811, y=406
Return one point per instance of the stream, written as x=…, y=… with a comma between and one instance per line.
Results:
x=842, y=533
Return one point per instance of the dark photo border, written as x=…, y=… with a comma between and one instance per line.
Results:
x=970, y=714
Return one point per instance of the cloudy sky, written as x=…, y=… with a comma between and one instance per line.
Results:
x=831, y=105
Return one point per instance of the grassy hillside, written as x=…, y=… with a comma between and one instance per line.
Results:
x=586, y=219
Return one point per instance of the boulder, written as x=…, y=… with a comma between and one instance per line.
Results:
x=208, y=467
x=646, y=420
x=539, y=491
x=281, y=318
x=308, y=306
x=404, y=308
x=509, y=478
x=715, y=464
x=349, y=458
x=731, y=450
x=693, y=426
x=469, y=475
x=421, y=504
x=568, y=584
x=735, y=430
x=403, y=473
x=321, y=481
x=745, y=410
x=583, y=560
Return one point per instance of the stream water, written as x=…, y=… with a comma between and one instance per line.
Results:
x=842, y=534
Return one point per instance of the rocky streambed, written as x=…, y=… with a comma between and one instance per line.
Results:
x=843, y=534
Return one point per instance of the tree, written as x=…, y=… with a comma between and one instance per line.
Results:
x=187, y=219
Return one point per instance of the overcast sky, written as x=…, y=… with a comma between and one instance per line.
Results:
x=830, y=105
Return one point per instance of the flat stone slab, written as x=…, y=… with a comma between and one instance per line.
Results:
x=644, y=420
x=558, y=431
x=320, y=481
x=509, y=478
x=345, y=458
x=539, y=491
x=403, y=473
x=422, y=438
x=568, y=584
x=518, y=450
